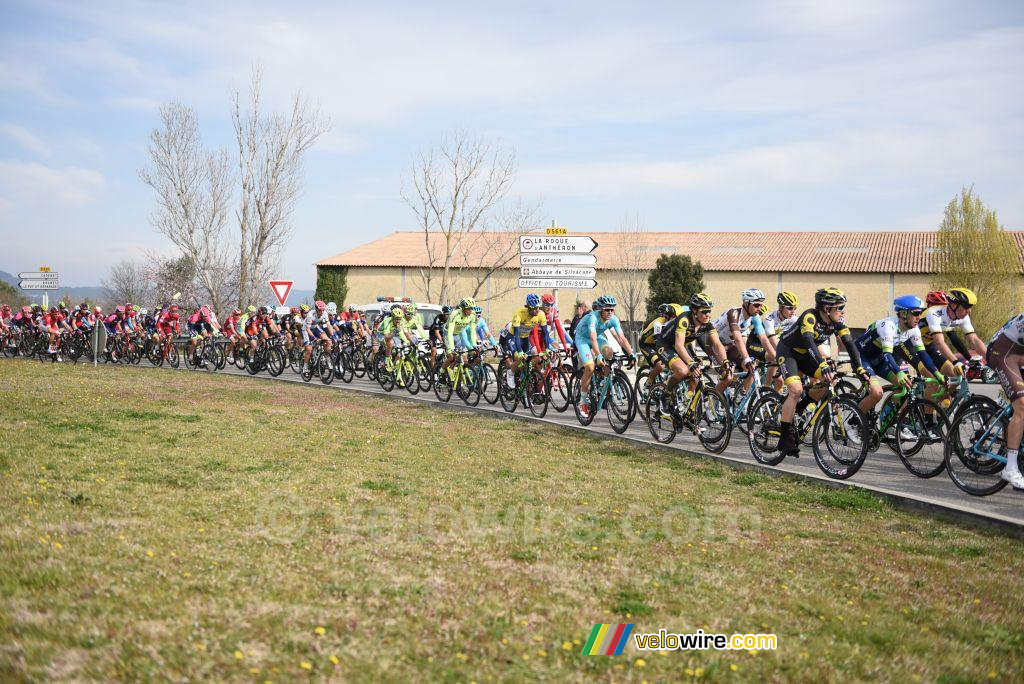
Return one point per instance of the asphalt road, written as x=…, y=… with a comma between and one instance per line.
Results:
x=883, y=472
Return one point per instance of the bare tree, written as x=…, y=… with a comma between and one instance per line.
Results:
x=453, y=190
x=488, y=258
x=193, y=189
x=270, y=155
x=634, y=267
x=128, y=282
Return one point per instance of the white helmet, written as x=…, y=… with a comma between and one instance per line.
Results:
x=142, y=312
x=332, y=308
x=752, y=295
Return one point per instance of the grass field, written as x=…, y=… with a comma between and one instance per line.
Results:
x=178, y=525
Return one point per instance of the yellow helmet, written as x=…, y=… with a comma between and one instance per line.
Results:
x=701, y=300
x=962, y=296
x=787, y=298
x=829, y=296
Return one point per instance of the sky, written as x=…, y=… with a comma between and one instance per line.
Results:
x=795, y=115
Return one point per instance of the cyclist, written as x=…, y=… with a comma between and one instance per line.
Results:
x=547, y=303
x=412, y=325
x=734, y=325
x=876, y=347
x=314, y=327
x=54, y=324
x=799, y=355
x=648, y=339
x=483, y=331
x=392, y=326
x=591, y=342
x=436, y=332
x=232, y=328
x=525, y=321
x=1006, y=356
x=776, y=323
x=460, y=331
x=691, y=325
x=200, y=326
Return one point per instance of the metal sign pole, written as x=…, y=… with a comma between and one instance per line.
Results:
x=95, y=341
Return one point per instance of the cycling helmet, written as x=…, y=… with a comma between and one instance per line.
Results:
x=787, y=298
x=264, y=310
x=351, y=307
x=143, y=312
x=547, y=300
x=127, y=307
x=445, y=310
x=53, y=309
x=829, y=296
x=752, y=295
x=7, y=307
x=962, y=296
x=467, y=303
x=478, y=310
x=294, y=310
x=332, y=308
x=936, y=297
x=28, y=309
x=907, y=302
x=320, y=305
x=120, y=309
x=174, y=307
x=532, y=301
x=411, y=308
x=397, y=311
x=701, y=300
x=304, y=308
x=606, y=301
x=204, y=310
x=671, y=310
x=97, y=310
x=251, y=309
x=665, y=310
x=236, y=312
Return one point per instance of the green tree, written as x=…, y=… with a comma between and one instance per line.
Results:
x=332, y=284
x=974, y=251
x=674, y=278
x=12, y=295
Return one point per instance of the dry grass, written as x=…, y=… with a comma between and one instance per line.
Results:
x=187, y=526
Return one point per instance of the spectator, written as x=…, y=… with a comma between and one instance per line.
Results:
x=582, y=309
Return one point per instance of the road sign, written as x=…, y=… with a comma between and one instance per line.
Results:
x=548, y=283
x=38, y=275
x=39, y=285
x=557, y=259
x=579, y=244
x=281, y=289
x=558, y=272
x=281, y=310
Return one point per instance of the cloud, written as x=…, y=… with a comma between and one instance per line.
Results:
x=25, y=138
x=27, y=184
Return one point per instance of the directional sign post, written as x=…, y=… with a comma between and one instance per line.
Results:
x=39, y=285
x=554, y=244
x=43, y=279
x=547, y=283
x=557, y=259
x=281, y=289
x=558, y=272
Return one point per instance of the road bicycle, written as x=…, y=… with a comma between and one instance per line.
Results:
x=610, y=389
x=523, y=383
x=976, y=446
x=461, y=377
x=837, y=428
x=702, y=410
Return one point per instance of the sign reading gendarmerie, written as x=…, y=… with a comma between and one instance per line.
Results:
x=557, y=259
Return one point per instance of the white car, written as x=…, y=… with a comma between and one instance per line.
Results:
x=428, y=312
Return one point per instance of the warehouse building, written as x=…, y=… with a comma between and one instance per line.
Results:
x=871, y=267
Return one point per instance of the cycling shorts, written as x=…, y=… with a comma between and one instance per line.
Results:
x=795, y=363
x=1006, y=357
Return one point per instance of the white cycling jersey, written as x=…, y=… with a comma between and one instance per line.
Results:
x=937, y=320
x=775, y=324
x=1014, y=330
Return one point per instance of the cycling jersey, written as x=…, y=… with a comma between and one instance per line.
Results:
x=483, y=332
x=775, y=324
x=649, y=335
x=524, y=324
x=876, y=346
x=1013, y=330
x=436, y=329
x=691, y=331
x=1006, y=356
x=593, y=322
x=457, y=323
x=737, y=317
x=555, y=324
x=798, y=346
x=937, y=320
x=412, y=330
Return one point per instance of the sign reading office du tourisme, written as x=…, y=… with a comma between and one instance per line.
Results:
x=557, y=260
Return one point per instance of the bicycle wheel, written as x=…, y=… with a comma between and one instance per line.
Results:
x=471, y=385
x=633, y=404
x=660, y=423
x=346, y=365
x=172, y=355
x=619, y=403
x=443, y=385
x=640, y=387
x=713, y=421
x=211, y=357
x=840, y=442
x=763, y=429
x=507, y=393
x=490, y=387
x=412, y=383
x=559, y=388
x=976, y=448
x=385, y=375
x=538, y=393
x=254, y=362
x=585, y=411
x=275, y=361
x=920, y=437
x=424, y=375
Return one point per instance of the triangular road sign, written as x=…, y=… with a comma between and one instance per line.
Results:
x=281, y=289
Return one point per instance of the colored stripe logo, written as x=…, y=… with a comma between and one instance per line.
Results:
x=607, y=639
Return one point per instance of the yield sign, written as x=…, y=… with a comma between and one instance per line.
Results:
x=281, y=289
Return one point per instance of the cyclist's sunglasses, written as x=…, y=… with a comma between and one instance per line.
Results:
x=704, y=311
x=609, y=309
x=788, y=308
x=839, y=307
x=915, y=312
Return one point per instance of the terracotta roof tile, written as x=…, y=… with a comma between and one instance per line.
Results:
x=787, y=251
